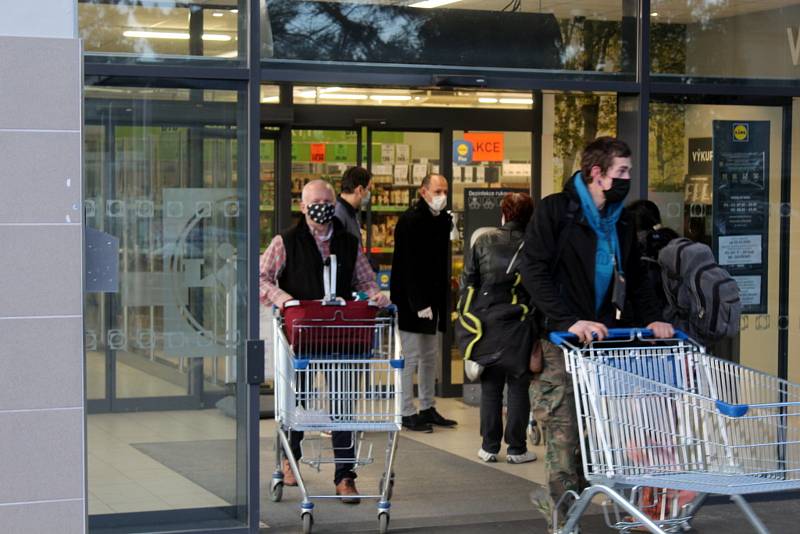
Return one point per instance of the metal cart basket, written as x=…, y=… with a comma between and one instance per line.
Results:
x=337, y=374
x=664, y=414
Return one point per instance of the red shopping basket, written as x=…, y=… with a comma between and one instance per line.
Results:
x=337, y=330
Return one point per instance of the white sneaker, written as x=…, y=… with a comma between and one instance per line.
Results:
x=527, y=456
x=487, y=456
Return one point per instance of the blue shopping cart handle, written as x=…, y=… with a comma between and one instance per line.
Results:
x=559, y=338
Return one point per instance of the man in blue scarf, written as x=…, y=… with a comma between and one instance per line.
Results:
x=580, y=266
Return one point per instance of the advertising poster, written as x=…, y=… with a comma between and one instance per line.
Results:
x=486, y=146
x=482, y=209
x=741, y=206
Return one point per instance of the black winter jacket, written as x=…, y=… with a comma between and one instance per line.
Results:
x=493, y=297
x=561, y=284
x=419, y=268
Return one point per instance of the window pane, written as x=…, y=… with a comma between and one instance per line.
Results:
x=695, y=170
x=164, y=29
x=165, y=203
x=572, y=36
x=571, y=121
x=725, y=39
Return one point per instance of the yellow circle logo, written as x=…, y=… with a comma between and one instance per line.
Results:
x=740, y=132
x=462, y=150
x=384, y=278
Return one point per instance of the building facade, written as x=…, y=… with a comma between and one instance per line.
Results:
x=201, y=121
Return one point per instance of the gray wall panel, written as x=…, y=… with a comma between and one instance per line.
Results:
x=26, y=18
x=41, y=177
x=41, y=363
x=42, y=270
x=44, y=460
x=45, y=91
x=43, y=518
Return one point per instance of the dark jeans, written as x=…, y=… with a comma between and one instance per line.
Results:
x=343, y=447
x=493, y=379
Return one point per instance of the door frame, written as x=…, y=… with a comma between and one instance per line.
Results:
x=366, y=119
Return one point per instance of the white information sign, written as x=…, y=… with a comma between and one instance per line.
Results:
x=749, y=289
x=740, y=250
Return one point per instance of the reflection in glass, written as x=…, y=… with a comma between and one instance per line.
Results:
x=163, y=186
x=578, y=118
x=572, y=36
x=148, y=30
x=725, y=39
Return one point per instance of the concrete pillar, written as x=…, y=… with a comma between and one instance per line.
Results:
x=42, y=449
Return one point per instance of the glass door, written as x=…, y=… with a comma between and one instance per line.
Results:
x=398, y=160
x=166, y=236
x=720, y=176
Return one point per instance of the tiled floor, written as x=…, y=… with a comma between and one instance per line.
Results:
x=122, y=479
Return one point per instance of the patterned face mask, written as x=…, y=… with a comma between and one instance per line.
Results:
x=321, y=212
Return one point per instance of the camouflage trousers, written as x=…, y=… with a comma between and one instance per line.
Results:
x=553, y=404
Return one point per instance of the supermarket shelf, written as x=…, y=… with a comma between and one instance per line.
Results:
x=389, y=209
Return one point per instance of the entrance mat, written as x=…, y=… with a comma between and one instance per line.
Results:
x=432, y=487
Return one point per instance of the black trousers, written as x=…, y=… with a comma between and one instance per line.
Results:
x=343, y=442
x=493, y=379
x=343, y=447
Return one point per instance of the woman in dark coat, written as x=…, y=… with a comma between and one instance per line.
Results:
x=496, y=330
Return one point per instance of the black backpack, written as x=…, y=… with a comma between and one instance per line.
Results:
x=702, y=297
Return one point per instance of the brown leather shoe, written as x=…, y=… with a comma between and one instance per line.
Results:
x=347, y=487
x=288, y=476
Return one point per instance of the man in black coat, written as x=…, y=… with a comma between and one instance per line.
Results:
x=581, y=264
x=419, y=288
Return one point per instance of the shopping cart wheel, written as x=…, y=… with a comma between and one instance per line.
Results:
x=276, y=490
x=308, y=522
x=391, y=486
x=383, y=522
x=534, y=433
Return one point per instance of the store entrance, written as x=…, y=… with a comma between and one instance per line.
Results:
x=400, y=145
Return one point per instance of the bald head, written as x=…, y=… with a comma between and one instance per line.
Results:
x=318, y=191
x=434, y=186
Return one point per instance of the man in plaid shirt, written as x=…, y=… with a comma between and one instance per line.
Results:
x=273, y=261
x=291, y=268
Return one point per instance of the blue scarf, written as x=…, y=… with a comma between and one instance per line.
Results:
x=605, y=226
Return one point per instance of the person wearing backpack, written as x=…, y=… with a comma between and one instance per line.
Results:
x=702, y=297
x=652, y=237
x=495, y=332
x=581, y=264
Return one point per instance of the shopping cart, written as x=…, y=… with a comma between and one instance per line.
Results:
x=336, y=373
x=664, y=414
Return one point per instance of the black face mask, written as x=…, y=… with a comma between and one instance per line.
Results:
x=619, y=190
x=321, y=212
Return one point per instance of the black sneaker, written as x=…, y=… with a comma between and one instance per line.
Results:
x=431, y=416
x=415, y=423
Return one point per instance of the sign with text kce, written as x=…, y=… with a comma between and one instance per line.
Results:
x=486, y=146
